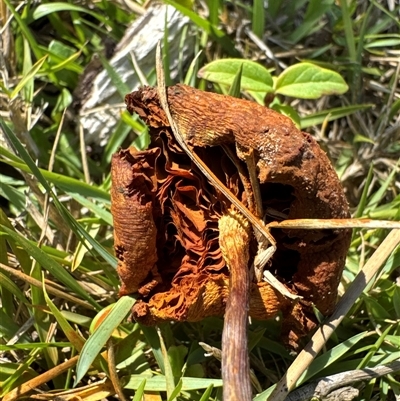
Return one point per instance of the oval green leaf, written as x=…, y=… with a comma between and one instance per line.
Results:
x=254, y=77
x=309, y=81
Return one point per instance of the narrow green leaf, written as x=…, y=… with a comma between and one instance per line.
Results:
x=176, y=392
x=348, y=30
x=331, y=114
x=329, y=357
x=363, y=200
x=9, y=285
x=312, y=19
x=218, y=35
x=140, y=391
x=48, y=8
x=169, y=376
x=25, y=30
x=51, y=265
x=122, y=88
x=26, y=78
x=68, y=184
x=380, y=193
x=153, y=340
x=76, y=340
x=234, y=90
x=258, y=18
x=361, y=138
x=68, y=218
x=22, y=256
x=27, y=345
x=207, y=394
x=96, y=341
x=16, y=198
x=97, y=210
x=381, y=338
x=396, y=301
x=158, y=383
x=213, y=9
x=8, y=328
x=394, y=109
x=255, y=77
x=309, y=81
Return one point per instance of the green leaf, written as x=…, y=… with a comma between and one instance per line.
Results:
x=218, y=35
x=207, y=394
x=58, y=344
x=312, y=19
x=53, y=7
x=396, y=300
x=361, y=138
x=329, y=357
x=383, y=43
x=8, y=328
x=66, y=215
x=68, y=184
x=255, y=77
x=9, y=285
x=76, y=339
x=309, y=81
x=176, y=392
x=158, y=383
x=177, y=356
x=287, y=111
x=96, y=209
x=116, y=80
x=331, y=114
x=140, y=391
x=234, y=91
x=258, y=18
x=96, y=341
x=26, y=78
x=51, y=265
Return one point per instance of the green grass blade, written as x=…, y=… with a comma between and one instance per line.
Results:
x=210, y=29
x=331, y=114
x=68, y=184
x=76, y=339
x=176, y=391
x=97, y=340
x=27, y=78
x=9, y=285
x=207, y=394
x=363, y=200
x=122, y=88
x=348, y=30
x=45, y=9
x=97, y=210
x=258, y=18
x=330, y=356
x=73, y=224
x=140, y=391
x=51, y=265
x=158, y=383
x=25, y=30
x=234, y=90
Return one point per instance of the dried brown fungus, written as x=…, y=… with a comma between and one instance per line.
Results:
x=166, y=213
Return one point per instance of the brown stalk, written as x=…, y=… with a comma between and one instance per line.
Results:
x=234, y=238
